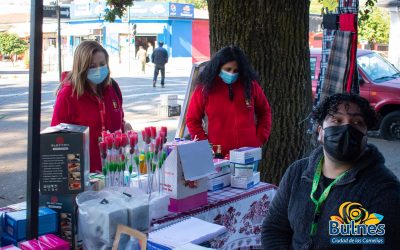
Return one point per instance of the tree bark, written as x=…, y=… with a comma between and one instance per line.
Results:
x=274, y=35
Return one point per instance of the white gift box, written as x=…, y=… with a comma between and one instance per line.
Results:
x=245, y=182
x=186, y=170
x=245, y=155
x=219, y=182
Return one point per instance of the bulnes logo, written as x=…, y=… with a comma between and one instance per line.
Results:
x=355, y=220
x=352, y=211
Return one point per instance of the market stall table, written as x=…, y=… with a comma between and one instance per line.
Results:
x=240, y=211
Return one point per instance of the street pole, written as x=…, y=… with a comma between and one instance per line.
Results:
x=35, y=83
x=129, y=38
x=59, y=41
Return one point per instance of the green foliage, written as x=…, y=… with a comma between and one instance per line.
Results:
x=366, y=7
x=365, y=10
x=315, y=7
x=11, y=44
x=116, y=8
x=375, y=29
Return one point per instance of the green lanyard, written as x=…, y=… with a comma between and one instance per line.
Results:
x=318, y=203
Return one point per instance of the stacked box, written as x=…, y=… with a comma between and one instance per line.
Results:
x=34, y=245
x=245, y=155
x=15, y=223
x=64, y=159
x=7, y=240
x=9, y=247
x=245, y=182
x=219, y=182
x=244, y=170
x=221, y=168
x=168, y=100
x=54, y=242
x=67, y=209
x=169, y=110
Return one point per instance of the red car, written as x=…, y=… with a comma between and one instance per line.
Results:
x=379, y=84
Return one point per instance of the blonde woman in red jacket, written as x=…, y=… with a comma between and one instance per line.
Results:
x=87, y=96
x=229, y=95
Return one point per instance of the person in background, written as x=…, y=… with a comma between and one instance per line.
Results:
x=150, y=50
x=87, y=96
x=141, y=56
x=342, y=190
x=159, y=58
x=229, y=95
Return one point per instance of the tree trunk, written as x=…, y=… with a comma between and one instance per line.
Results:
x=274, y=35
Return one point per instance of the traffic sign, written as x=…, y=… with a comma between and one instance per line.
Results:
x=65, y=12
x=50, y=11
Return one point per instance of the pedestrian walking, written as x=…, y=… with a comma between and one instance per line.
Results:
x=141, y=56
x=159, y=58
x=149, y=51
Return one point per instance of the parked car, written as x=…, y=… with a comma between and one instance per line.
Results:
x=379, y=84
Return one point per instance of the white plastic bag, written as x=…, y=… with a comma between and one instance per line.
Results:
x=99, y=215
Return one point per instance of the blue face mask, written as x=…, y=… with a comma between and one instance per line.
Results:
x=97, y=75
x=227, y=77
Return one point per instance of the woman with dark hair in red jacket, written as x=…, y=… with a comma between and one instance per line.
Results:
x=229, y=96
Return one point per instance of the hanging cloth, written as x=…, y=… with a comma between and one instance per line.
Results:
x=337, y=65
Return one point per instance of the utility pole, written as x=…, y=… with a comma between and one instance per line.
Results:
x=35, y=83
x=129, y=38
x=59, y=40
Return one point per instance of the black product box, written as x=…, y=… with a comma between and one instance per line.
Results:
x=174, y=110
x=64, y=159
x=67, y=209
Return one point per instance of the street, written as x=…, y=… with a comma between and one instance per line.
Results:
x=141, y=102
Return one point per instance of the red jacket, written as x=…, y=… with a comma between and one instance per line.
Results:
x=85, y=111
x=231, y=124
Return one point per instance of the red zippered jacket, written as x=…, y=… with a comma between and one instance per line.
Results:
x=231, y=124
x=85, y=111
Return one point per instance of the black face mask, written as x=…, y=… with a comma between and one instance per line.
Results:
x=344, y=143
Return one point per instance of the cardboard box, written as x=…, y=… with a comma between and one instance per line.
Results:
x=245, y=155
x=169, y=111
x=168, y=100
x=34, y=245
x=186, y=171
x=15, y=223
x=219, y=182
x=243, y=170
x=64, y=159
x=245, y=182
x=54, y=242
x=9, y=247
x=67, y=209
x=7, y=240
x=221, y=167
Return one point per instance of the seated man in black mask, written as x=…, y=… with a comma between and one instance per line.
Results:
x=342, y=196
